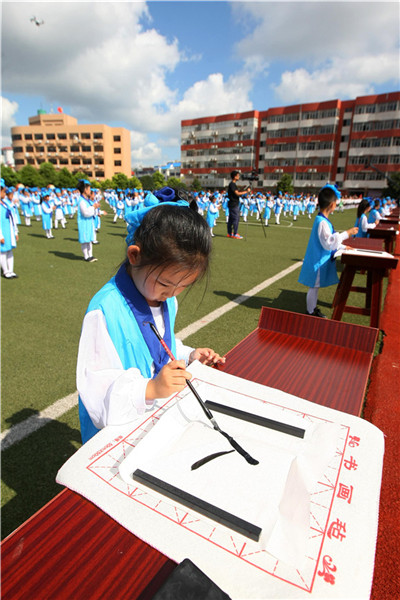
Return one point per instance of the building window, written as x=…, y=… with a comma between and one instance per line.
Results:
x=29, y=148
x=85, y=136
x=117, y=138
x=87, y=161
x=18, y=149
x=50, y=136
x=75, y=148
x=75, y=161
x=38, y=136
x=74, y=136
x=62, y=136
x=19, y=161
x=40, y=148
x=16, y=137
x=52, y=149
x=28, y=136
x=117, y=150
x=98, y=136
x=117, y=163
x=99, y=173
x=63, y=161
x=98, y=148
x=86, y=148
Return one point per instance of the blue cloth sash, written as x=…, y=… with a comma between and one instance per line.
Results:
x=142, y=313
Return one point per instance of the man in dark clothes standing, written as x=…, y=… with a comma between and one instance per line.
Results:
x=233, y=206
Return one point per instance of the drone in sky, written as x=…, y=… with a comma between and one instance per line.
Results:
x=36, y=21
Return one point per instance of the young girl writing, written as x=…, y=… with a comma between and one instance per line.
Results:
x=362, y=219
x=122, y=368
x=319, y=268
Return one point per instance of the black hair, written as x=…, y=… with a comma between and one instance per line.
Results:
x=377, y=204
x=174, y=235
x=234, y=173
x=361, y=208
x=325, y=197
x=81, y=186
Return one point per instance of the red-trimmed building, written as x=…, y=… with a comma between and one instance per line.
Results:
x=355, y=143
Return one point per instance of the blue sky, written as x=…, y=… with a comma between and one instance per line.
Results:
x=147, y=65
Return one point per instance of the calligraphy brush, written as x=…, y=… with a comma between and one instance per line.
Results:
x=206, y=410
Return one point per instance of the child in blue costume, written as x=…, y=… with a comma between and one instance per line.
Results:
x=319, y=268
x=86, y=216
x=362, y=221
x=8, y=234
x=122, y=368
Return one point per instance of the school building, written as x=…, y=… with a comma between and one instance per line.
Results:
x=99, y=151
x=355, y=143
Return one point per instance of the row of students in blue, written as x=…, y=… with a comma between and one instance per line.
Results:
x=122, y=370
x=319, y=267
x=8, y=234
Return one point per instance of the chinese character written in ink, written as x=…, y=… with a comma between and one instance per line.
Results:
x=354, y=441
x=350, y=463
x=337, y=530
x=345, y=492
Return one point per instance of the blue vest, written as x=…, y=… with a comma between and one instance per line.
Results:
x=373, y=215
x=7, y=226
x=360, y=233
x=318, y=258
x=126, y=337
x=85, y=224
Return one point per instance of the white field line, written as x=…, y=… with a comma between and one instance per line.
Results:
x=20, y=431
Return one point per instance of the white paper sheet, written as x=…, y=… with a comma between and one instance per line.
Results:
x=273, y=495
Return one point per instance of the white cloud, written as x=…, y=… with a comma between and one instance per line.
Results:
x=316, y=31
x=106, y=63
x=8, y=110
x=341, y=78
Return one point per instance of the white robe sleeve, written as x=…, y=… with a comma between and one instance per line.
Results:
x=86, y=211
x=330, y=241
x=111, y=394
x=365, y=225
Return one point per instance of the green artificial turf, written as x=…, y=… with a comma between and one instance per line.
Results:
x=42, y=313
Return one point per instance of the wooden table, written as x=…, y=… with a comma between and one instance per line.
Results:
x=388, y=233
x=376, y=268
x=71, y=550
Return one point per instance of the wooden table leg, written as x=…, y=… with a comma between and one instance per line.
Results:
x=342, y=292
x=376, y=296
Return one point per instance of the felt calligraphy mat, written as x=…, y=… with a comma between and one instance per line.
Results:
x=338, y=557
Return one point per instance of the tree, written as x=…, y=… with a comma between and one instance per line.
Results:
x=196, y=185
x=29, y=176
x=48, y=174
x=158, y=180
x=120, y=180
x=65, y=179
x=10, y=176
x=134, y=182
x=176, y=183
x=107, y=184
x=393, y=187
x=147, y=182
x=285, y=184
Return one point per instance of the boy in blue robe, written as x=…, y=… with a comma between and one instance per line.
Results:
x=319, y=268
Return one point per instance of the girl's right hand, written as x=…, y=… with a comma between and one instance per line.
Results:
x=170, y=380
x=352, y=231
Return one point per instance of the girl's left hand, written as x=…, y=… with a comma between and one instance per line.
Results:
x=206, y=356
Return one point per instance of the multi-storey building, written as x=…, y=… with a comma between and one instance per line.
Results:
x=99, y=151
x=355, y=143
